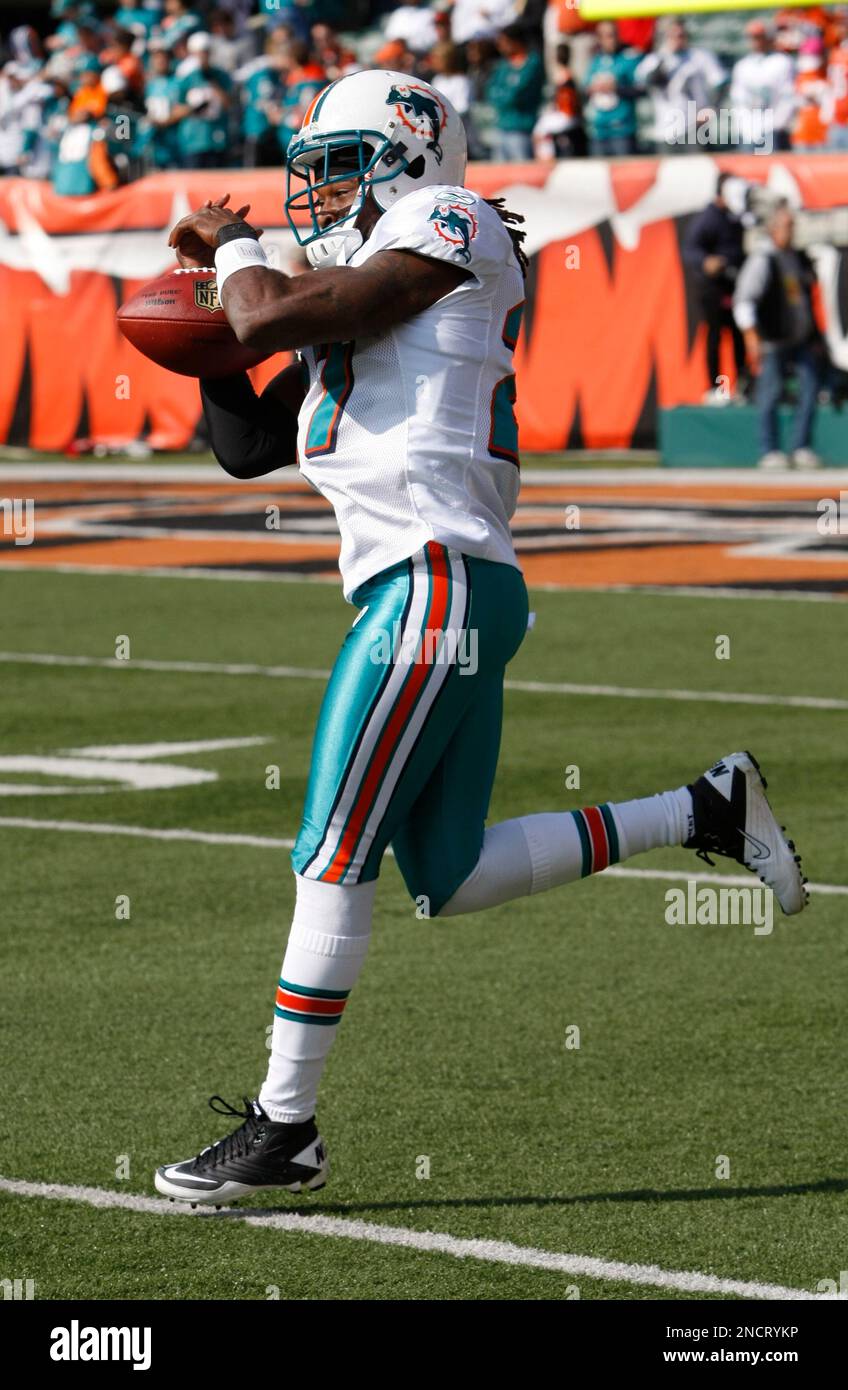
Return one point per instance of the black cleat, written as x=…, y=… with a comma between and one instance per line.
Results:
x=257, y=1155
x=733, y=818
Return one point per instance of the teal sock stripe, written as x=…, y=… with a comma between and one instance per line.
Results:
x=320, y=1019
x=314, y=993
x=585, y=843
x=612, y=833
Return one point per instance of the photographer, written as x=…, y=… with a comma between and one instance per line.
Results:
x=713, y=250
x=773, y=308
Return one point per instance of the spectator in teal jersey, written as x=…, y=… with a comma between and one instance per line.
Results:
x=72, y=13
x=515, y=90
x=260, y=83
x=139, y=18
x=610, y=108
x=283, y=13
x=161, y=97
x=203, y=98
x=82, y=164
x=123, y=125
x=179, y=21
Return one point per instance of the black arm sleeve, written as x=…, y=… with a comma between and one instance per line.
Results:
x=250, y=435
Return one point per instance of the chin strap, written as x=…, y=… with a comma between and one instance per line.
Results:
x=335, y=248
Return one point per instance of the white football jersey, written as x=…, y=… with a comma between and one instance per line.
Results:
x=411, y=434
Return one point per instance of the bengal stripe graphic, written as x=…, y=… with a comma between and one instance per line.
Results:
x=301, y=1004
x=598, y=838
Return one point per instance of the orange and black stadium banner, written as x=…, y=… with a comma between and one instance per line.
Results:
x=610, y=335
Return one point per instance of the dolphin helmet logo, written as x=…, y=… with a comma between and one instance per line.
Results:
x=421, y=111
x=456, y=224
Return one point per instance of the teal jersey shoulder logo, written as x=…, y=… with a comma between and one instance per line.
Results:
x=455, y=224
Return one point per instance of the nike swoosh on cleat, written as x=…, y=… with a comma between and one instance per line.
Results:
x=190, y=1179
x=764, y=851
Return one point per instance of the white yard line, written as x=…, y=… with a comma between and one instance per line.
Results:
x=203, y=668
x=145, y=832
x=431, y=1242
x=634, y=692
x=212, y=837
x=616, y=692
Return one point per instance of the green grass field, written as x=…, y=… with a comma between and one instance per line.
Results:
x=695, y=1041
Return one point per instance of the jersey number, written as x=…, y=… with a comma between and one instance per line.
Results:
x=337, y=384
x=503, y=431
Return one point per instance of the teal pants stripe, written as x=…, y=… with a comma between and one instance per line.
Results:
x=413, y=743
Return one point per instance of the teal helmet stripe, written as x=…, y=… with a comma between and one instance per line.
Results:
x=323, y=97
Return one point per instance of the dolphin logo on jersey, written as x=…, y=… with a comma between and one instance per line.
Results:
x=455, y=224
x=418, y=109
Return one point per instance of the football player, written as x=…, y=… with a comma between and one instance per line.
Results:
x=401, y=412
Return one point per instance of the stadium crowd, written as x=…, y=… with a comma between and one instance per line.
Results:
x=107, y=93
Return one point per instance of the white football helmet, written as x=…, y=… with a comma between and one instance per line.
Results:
x=392, y=132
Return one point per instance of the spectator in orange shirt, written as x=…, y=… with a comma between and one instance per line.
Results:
x=395, y=56
x=810, y=129
x=837, y=110
x=834, y=26
x=90, y=97
x=119, y=54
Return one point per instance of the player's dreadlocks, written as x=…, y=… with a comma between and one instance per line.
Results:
x=510, y=219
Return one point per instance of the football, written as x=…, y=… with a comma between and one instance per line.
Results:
x=177, y=321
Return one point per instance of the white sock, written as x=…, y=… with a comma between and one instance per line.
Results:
x=654, y=821
x=326, y=949
x=534, y=853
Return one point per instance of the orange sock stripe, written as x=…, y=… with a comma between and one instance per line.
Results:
x=304, y=1004
x=597, y=830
